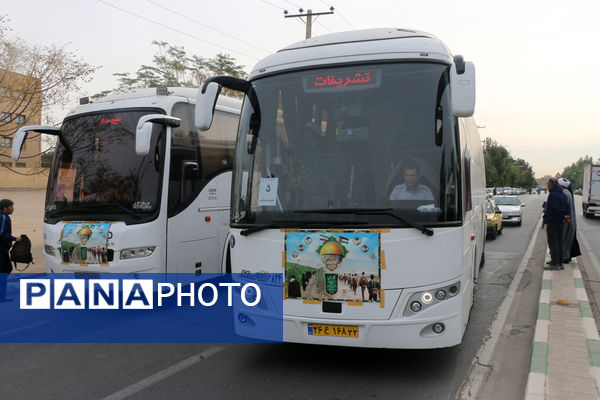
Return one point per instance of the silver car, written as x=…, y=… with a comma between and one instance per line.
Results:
x=511, y=209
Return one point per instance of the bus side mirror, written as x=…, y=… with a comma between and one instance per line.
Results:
x=143, y=132
x=462, y=85
x=22, y=133
x=20, y=137
x=205, y=105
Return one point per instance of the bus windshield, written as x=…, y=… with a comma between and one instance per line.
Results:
x=368, y=137
x=96, y=173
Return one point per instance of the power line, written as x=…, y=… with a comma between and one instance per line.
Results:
x=340, y=14
x=295, y=5
x=309, y=18
x=206, y=26
x=274, y=5
x=322, y=26
x=177, y=30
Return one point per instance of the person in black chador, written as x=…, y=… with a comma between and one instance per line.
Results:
x=293, y=287
x=556, y=214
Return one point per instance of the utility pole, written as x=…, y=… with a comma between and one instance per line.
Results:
x=309, y=18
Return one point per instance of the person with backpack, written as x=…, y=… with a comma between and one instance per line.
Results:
x=7, y=207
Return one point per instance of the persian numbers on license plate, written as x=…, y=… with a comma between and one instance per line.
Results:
x=333, y=330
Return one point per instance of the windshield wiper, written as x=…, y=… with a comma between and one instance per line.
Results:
x=88, y=207
x=295, y=224
x=370, y=211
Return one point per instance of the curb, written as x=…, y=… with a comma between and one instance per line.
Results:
x=589, y=324
x=537, y=380
x=538, y=367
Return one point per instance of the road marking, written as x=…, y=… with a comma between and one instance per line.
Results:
x=23, y=328
x=164, y=374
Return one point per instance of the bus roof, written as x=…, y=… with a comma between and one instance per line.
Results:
x=355, y=46
x=148, y=97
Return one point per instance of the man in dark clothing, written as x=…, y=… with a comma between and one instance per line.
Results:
x=555, y=215
x=6, y=239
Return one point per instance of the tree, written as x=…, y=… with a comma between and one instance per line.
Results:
x=502, y=170
x=173, y=67
x=574, y=172
x=39, y=77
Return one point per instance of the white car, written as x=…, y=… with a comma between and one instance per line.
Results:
x=511, y=209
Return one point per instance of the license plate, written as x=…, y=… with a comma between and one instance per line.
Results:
x=87, y=275
x=333, y=330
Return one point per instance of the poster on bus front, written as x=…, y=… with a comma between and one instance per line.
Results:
x=337, y=266
x=85, y=242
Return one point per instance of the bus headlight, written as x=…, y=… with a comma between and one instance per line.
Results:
x=426, y=297
x=137, y=252
x=419, y=301
x=415, y=306
x=250, y=294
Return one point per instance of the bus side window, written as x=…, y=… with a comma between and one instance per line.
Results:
x=468, y=194
x=197, y=157
x=184, y=174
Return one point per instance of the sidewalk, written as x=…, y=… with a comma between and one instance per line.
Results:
x=565, y=361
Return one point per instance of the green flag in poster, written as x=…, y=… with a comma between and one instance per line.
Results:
x=331, y=284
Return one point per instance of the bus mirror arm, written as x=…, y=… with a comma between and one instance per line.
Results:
x=143, y=131
x=207, y=101
x=208, y=94
x=23, y=132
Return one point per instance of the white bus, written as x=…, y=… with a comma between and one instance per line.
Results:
x=135, y=187
x=359, y=175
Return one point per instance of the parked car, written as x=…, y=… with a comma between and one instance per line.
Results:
x=493, y=219
x=511, y=209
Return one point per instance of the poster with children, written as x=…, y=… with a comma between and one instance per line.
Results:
x=85, y=242
x=324, y=265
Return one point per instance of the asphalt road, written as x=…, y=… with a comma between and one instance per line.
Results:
x=285, y=371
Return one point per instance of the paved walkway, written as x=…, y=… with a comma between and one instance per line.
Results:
x=565, y=362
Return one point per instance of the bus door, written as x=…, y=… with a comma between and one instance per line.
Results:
x=199, y=187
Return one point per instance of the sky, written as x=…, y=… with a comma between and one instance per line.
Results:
x=536, y=61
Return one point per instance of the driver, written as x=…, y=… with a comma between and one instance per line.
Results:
x=411, y=189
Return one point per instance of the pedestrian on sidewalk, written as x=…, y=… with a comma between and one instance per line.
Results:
x=556, y=214
x=6, y=240
x=569, y=229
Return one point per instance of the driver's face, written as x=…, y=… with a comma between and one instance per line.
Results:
x=411, y=177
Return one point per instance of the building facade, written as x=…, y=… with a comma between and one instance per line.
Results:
x=20, y=104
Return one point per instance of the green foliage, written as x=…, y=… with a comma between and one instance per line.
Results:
x=574, y=172
x=502, y=170
x=50, y=76
x=171, y=66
